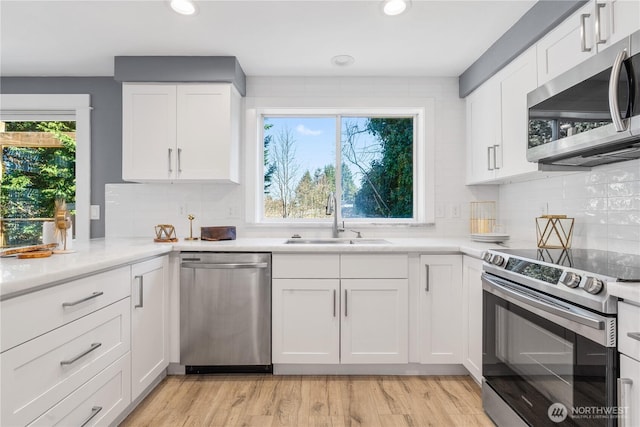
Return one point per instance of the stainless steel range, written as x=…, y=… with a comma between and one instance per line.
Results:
x=549, y=344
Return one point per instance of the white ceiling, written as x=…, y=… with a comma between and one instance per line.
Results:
x=269, y=38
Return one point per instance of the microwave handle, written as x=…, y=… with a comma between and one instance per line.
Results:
x=618, y=122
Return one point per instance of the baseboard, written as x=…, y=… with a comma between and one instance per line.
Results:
x=402, y=369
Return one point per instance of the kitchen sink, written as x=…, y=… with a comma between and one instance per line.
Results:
x=338, y=241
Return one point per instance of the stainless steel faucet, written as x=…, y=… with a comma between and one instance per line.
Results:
x=332, y=209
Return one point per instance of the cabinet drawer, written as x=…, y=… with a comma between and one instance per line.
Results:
x=40, y=373
x=306, y=266
x=98, y=402
x=28, y=316
x=629, y=329
x=367, y=266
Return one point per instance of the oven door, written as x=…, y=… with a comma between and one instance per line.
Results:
x=537, y=357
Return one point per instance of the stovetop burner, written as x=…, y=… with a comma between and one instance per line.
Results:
x=619, y=266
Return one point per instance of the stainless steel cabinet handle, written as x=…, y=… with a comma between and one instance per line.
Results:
x=170, y=151
x=179, y=162
x=94, y=412
x=495, y=156
x=224, y=265
x=140, y=291
x=599, y=39
x=634, y=335
x=489, y=157
x=583, y=33
x=334, y=303
x=345, y=303
x=622, y=400
x=426, y=285
x=92, y=296
x=618, y=122
x=84, y=353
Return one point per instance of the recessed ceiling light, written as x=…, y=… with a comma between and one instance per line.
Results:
x=343, y=60
x=184, y=7
x=394, y=7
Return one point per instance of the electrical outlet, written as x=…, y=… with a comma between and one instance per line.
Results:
x=95, y=212
x=440, y=211
x=455, y=210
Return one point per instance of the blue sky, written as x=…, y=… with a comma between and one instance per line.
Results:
x=315, y=140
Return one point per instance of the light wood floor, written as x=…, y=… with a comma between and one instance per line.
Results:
x=300, y=401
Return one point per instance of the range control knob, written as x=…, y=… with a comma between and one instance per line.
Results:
x=593, y=285
x=487, y=257
x=497, y=260
x=571, y=280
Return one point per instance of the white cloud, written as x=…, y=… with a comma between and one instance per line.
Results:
x=306, y=131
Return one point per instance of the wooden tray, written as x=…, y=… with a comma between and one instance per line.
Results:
x=34, y=254
x=25, y=249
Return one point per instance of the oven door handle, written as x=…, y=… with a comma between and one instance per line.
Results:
x=538, y=306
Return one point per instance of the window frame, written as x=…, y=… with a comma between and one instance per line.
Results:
x=72, y=107
x=423, y=162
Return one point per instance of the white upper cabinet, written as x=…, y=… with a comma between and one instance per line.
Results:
x=591, y=29
x=497, y=123
x=482, y=116
x=515, y=80
x=184, y=132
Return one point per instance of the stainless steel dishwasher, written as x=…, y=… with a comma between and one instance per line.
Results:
x=225, y=312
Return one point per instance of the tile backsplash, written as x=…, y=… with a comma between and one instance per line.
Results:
x=605, y=203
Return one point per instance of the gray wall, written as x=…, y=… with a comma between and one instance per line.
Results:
x=106, y=126
x=538, y=21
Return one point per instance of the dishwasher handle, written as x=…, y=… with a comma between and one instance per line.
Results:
x=224, y=266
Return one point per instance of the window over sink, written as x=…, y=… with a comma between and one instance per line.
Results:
x=379, y=177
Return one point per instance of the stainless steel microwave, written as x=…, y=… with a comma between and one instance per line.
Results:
x=590, y=115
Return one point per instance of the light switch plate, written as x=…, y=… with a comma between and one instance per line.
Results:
x=95, y=212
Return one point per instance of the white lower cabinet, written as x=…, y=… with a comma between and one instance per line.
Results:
x=630, y=391
x=41, y=372
x=440, y=313
x=345, y=317
x=629, y=348
x=149, y=322
x=472, y=316
x=98, y=402
x=375, y=324
x=306, y=321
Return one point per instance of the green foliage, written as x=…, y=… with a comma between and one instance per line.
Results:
x=269, y=169
x=34, y=177
x=386, y=190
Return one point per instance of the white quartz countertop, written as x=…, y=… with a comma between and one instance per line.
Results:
x=628, y=291
x=21, y=276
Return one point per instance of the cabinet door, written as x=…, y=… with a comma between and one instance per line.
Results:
x=567, y=45
x=306, y=321
x=482, y=119
x=148, y=132
x=375, y=324
x=472, y=316
x=630, y=388
x=618, y=19
x=204, y=148
x=149, y=322
x=516, y=80
x=440, y=315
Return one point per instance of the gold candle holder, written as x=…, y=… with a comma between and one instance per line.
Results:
x=191, y=218
x=482, y=217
